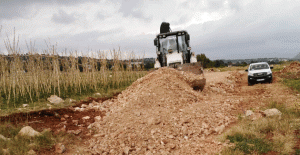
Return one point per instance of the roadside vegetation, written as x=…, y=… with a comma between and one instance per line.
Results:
x=33, y=77
x=22, y=144
x=220, y=65
x=264, y=135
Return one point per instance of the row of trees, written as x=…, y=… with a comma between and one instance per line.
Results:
x=207, y=63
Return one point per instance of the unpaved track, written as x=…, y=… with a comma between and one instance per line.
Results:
x=160, y=114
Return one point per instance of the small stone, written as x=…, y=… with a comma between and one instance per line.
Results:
x=126, y=150
x=249, y=113
x=32, y=145
x=86, y=117
x=137, y=113
x=56, y=115
x=28, y=131
x=97, y=118
x=75, y=132
x=66, y=116
x=204, y=125
x=25, y=105
x=97, y=94
x=83, y=106
x=148, y=153
x=75, y=122
x=31, y=152
x=154, y=121
x=60, y=148
x=4, y=138
x=220, y=129
x=90, y=126
x=77, y=109
x=62, y=119
x=5, y=151
x=171, y=136
x=172, y=146
x=55, y=99
x=272, y=112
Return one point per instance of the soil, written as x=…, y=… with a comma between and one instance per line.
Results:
x=161, y=113
x=59, y=120
x=293, y=67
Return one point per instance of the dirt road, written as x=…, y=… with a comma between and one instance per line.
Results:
x=161, y=114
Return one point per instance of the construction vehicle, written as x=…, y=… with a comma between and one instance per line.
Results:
x=173, y=50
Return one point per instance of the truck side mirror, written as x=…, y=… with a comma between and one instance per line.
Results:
x=246, y=70
x=155, y=42
x=271, y=67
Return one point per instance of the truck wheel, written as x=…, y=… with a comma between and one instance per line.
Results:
x=250, y=83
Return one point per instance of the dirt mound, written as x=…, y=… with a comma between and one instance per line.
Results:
x=160, y=114
x=293, y=67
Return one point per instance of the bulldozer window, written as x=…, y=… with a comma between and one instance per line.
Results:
x=168, y=43
x=181, y=43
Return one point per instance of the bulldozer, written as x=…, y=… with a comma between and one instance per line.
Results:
x=173, y=50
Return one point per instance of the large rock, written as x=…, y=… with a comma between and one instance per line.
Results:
x=28, y=131
x=271, y=112
x=55, y=99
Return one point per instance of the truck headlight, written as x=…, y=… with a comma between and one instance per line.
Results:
x=269, y=72
x=250, y=74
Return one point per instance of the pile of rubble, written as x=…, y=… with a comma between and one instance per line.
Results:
x=160, y=114
x=293, y=67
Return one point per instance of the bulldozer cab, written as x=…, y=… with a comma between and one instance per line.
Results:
x=177, y=41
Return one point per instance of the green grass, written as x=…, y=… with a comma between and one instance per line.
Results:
x=249, y=136
x=20, y=144
x=293, y=84
x=250, y=144
x=42, y=103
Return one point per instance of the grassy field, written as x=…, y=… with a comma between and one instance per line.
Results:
x=32, y=78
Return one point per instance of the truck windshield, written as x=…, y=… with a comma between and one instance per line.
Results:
x=167, y=44
x=259, y=66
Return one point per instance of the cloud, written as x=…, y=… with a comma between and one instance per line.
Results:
x=13, y=9
x=133, y=8
x=63, y=18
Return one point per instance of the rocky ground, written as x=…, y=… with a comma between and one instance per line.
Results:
x=162, y=114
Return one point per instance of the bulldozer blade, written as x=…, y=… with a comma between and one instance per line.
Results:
x=195, y=68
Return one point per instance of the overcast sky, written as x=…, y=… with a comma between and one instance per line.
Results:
x=221, y=29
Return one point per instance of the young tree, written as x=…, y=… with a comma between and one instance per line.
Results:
x=205, y=62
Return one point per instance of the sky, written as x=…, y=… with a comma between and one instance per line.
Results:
x=221, y=29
